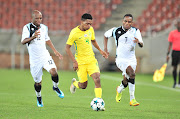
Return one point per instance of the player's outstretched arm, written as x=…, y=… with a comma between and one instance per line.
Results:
x=27, y=40
x=68, y=51
x=139, y=43
x=50, y=44
x=104, y=54
x=105, y=45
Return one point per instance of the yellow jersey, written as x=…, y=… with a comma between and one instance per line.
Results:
x=82, y=43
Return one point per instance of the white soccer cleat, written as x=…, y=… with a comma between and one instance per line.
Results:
x=102, y=109
x=177, y=85
x=72, y=87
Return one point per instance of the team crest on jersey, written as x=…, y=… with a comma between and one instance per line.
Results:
x=85, y=35
x=32, y=29
x=119, y=32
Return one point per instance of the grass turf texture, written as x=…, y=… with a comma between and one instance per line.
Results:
x=18, y=99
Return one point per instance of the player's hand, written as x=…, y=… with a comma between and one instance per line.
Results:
x=58, y=55
x=104, y=54
x=105, y=50
x=136, y=40
x=75, y=65
x=37, y=33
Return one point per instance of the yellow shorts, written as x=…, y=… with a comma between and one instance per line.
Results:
x=85, y=69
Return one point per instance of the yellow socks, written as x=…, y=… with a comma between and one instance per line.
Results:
x=98, y=92
x=75, y=83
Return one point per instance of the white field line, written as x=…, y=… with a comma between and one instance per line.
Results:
x=108, y=77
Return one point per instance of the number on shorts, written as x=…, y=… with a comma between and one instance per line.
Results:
x=50, y=62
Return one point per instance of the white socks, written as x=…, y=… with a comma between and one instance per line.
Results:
x=131, y=90
x=120, y=88
x=55, y=84
x=38, y=94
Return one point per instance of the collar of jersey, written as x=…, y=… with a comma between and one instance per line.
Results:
x=35, y=25
x=81, y=30
x=125, y=30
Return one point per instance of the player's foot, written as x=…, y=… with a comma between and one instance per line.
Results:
x=174, y=85
x=178, y=85
x=102, y=109
x=59, y=92
x=39, y=102
x=133, y=102
x=118, y=95
x=72, y=87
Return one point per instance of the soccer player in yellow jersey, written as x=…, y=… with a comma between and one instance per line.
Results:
x=84, y=61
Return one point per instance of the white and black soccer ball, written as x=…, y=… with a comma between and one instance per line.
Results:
x=97, y=104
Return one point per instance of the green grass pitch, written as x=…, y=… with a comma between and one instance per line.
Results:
x=18, y=99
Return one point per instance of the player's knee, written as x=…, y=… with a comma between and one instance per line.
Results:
x=53, y=72
x=132, y=81
x=125, y=83
x=37, y=87
x=55, y=78
x=132, y=75
x=84, y=85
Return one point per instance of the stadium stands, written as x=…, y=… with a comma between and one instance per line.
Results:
x=63, y=15
x=57, y=14
x=158, y=15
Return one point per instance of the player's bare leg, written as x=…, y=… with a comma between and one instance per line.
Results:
x=76, y=84
x=83, y=85
x=55, y=79
x=131, y=83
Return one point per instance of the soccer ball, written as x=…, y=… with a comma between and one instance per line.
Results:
x=97, y=104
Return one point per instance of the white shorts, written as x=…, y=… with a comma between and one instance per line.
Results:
x=122, y=64
x=37, y=70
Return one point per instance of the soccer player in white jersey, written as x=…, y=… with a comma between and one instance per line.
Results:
x=126, y=37
x=35, y=36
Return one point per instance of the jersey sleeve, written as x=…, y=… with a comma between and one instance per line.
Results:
x=109, y=33
x=138, y=36
x=71, y=38
x=46, y=35
x=25, y=33
x=170, y=37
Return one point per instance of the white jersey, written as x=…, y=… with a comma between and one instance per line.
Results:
x=124, y=41
x=125, y=51
x=37, y=47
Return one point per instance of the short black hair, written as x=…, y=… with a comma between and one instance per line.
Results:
x=86, y=16
x=128, y=15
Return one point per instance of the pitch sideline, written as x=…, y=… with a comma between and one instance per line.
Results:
x=108, y=77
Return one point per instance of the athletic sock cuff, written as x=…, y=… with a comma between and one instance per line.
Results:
x=75, y=83
x=98, y=92
x=55, y=78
